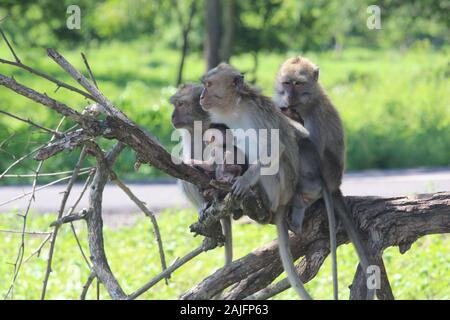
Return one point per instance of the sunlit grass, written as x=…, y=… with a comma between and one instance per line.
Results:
x=422, y=273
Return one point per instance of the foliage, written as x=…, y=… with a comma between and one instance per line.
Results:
x=394, y=104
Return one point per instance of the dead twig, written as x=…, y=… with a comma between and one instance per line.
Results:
x=21, y=252
x=60, y=213
x=149, y=214
x=31, y=123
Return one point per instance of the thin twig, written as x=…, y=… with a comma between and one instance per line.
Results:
x=20, y=254
x=44, y=99
x=59, y=83
x=72, y=209
x=86, y=286
x=9, y=46
x=98, y=289
x=31, y=123
x=41, y=74
x=33, y=233
x=99, y=97
x=39, y=249
x=49, y=174
x=12, y=165
x=72, y=180
x=149, y=214
x=91, y=75
x=176, y=265
x=40, y=188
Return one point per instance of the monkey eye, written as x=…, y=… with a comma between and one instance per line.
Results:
x=297, y=83
x=286, y=83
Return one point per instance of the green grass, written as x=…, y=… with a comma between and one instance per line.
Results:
x=421, y=273
x=395, y=105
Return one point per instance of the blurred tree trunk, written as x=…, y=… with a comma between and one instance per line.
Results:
x=226, y=47
x=213, y=33
x=186, y=30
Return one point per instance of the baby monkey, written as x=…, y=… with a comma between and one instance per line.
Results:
x=224, y=162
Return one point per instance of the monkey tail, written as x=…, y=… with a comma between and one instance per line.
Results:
x=361, y=250
x=287, y=259
x=332, y=228
x=228, y=234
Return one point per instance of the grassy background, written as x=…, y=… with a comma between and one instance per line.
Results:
x=421, y=273
x=395, y=105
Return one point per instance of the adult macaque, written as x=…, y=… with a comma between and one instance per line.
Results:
x=231, y=101
x=298, y=92
x=187, y=110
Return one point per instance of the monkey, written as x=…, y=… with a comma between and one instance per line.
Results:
x=187, y=110
x=231, y=101
x=222, y=163
x=299, y=95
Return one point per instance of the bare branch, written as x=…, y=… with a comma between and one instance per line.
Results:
x=48, y=174
x=12, y=165
x=20, y=254
x=148, y=213
x=86, y=286
x=95, y=223
x=91, y=75
x=99, y=97
x=48, y=77
x=40, y=188
x=40, y=98
x=9, y=45
x=60, y=213
x=67, y=141
x=384, y=222
x=166, y=273
x=70, y=218
x=31, y=123
x=33, y=233
x=39, y=248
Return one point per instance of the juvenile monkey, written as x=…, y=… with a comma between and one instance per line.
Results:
x=222, y=159
x=298, y=92
x=187, y=110
x=231, y=101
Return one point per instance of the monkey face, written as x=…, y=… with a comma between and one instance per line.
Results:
x=220, y=86
x=186, y=107
x=296, y=82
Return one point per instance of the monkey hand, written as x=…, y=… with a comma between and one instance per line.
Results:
x=240, y=187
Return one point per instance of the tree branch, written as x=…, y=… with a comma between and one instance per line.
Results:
x=384, y=222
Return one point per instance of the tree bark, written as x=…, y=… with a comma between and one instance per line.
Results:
x=384, y=222
x=226, y=46
x=213, y=34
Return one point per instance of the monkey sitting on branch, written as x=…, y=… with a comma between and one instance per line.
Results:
x=189, y=116
x=299, y=96
x=224, y=162
x=289, y=170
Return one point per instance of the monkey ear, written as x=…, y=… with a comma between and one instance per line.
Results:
x=316, y=73
x=238, y=81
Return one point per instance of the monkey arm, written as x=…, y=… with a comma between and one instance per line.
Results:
x=243, y=183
